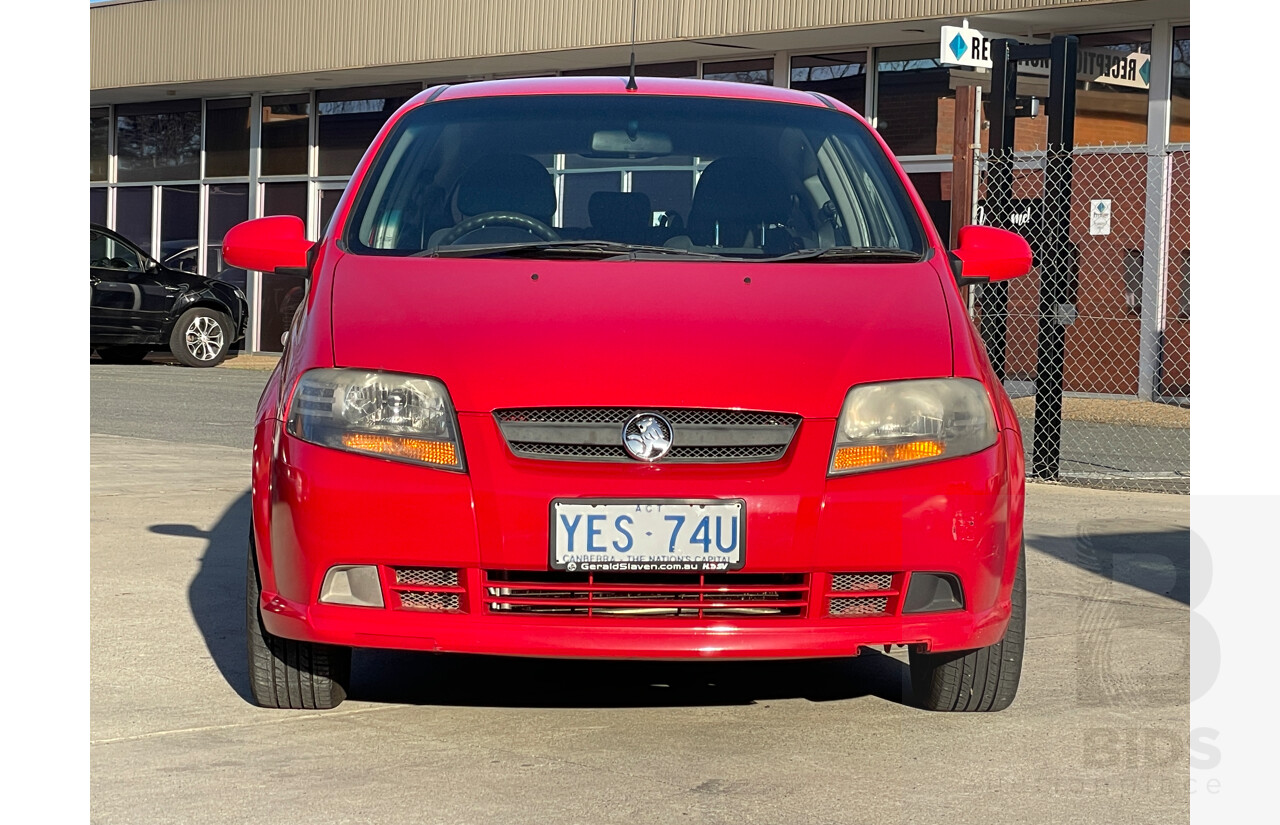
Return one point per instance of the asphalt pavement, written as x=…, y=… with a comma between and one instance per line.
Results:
x=1098, y=732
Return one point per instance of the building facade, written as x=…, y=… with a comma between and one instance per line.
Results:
x=224, y=110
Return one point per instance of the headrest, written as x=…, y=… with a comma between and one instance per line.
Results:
x=621, y=210
x=738, y=192
x=507, y=183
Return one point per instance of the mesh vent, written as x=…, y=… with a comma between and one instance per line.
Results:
x=852, y=582
x=724, y=453
x=438, y=602
x=610, y=453
x=620, y=415
x=568, y=450
x=427, y=576
x=859, y=606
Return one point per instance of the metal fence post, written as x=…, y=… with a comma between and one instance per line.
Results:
x=1155, y=242
x=1155, y=230
x=1058, y=270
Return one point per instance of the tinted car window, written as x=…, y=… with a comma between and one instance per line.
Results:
x=740, y=179
x=105, y=251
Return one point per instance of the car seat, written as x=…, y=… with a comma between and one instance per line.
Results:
x=620, y=216
x=741, y=203
x=502, y=183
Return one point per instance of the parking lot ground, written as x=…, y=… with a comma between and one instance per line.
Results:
x=1098, y=732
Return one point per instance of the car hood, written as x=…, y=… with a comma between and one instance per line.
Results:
x=783, y=337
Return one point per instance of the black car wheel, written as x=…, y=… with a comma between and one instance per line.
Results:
x=976, y=680
x=285, y=673
x=123, y=354
x=201, y=338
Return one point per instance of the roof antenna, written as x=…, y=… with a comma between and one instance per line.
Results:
x=631, y=81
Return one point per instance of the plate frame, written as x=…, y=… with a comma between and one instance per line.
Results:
x=551, y=526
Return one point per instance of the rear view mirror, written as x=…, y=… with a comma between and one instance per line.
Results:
x=988, y=254
x=275, y=244
x=630, y=144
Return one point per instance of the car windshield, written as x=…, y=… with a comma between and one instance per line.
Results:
x=611, y=176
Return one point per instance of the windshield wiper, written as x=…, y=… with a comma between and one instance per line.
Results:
x=887, y=254
x=596, y=250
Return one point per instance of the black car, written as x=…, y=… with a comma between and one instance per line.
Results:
x=137, y=305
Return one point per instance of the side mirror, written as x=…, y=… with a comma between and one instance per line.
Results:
x=274, y=244
x=989, y=254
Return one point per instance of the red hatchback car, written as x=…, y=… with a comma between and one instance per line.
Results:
x=673, y=372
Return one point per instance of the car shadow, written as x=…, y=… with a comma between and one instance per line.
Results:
x=216, y=598
x=509, y=682
x=1157, y=561
x=216, y=593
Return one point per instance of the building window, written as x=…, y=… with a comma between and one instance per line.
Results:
x=280, y=294
x=98, y=205
x=759, y=71
x=680, y=68
x=1112, y=90
x=842, y=76
x=226, y=138
x=286, y=134
x=328, y=205
x=133, y=215
x=228, y=206
x=1180, y=114
x=915, y=103
x=158, y=141
x=99, y=124
x=180, y=227
x=347, y=120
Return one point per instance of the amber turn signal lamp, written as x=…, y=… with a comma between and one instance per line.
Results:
x=430, y=452
x=871, y=455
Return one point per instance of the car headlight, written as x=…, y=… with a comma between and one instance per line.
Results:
x=401, y=417
x=905, y=422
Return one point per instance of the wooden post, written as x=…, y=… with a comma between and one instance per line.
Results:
x=963, y=154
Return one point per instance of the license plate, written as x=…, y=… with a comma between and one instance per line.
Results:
x=591, y=535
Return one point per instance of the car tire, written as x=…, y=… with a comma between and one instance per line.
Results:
x=285, y=673
x=201, y=337
x=979, y=680
x=123, y=354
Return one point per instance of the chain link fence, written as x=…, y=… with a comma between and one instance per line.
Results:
x=1107, y=307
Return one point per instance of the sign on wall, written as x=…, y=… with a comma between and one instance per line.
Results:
x=960, y=46
x=1100, y=216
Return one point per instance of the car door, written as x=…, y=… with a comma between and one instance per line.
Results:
x=130, y=297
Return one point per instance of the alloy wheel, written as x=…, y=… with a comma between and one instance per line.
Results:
x=204, y=338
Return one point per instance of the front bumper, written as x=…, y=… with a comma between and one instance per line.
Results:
x=315, y=508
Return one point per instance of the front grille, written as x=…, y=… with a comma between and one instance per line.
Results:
x=435, y=589
x=640, y=595
x=698, y=436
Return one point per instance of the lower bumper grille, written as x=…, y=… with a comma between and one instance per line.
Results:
x=675, y=596
x=862, y=606
x=430, y=589
x=864, y=594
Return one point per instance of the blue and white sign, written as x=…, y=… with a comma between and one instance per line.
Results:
x=961, y=46
x=966, y=47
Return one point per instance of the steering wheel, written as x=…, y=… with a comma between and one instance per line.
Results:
x=515, y=219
